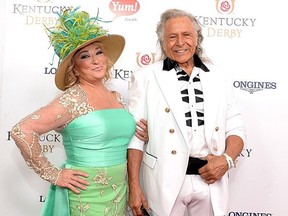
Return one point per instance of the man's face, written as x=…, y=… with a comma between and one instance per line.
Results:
x=180, y=39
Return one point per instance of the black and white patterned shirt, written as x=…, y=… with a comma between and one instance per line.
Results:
x=193, y=103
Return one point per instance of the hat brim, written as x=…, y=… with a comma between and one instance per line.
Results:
x=113, y=45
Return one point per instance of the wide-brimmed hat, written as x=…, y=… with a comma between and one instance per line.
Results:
x=75, y=30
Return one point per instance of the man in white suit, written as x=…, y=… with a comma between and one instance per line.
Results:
x=195, y=129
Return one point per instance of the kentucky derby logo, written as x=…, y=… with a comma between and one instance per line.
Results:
x=225, y=6
x=145, y=59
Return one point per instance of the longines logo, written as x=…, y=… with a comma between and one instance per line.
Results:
x=50, y=70
x=226, y=25
x=43, y=1
x=254, y=86
x=38, y=14
x=249, y=214
x=42, y=198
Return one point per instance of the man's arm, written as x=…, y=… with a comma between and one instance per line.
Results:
x=136, y=196
x=217, y=166
x=234, y=146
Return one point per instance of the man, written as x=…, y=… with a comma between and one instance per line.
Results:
x=195, y=129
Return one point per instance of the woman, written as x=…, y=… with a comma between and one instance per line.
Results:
x=95, y=126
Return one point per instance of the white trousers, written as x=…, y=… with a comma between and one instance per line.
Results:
x=193, y=199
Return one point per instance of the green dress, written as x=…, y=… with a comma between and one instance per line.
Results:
x=95, y=143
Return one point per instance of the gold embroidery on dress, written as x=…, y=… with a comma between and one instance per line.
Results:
x=81, y=209
x=70, y=104
x=120, y=99
x=103, y=183
x=102, y=178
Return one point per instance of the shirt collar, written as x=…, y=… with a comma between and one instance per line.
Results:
x=169, y=64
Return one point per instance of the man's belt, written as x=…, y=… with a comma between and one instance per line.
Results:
x=194, y=164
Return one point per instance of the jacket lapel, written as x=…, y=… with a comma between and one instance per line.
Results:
x=211, y=101
x=168, y=83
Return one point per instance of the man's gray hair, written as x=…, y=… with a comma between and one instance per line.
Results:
x=173, y=13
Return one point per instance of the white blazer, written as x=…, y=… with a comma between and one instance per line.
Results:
x=155, y=96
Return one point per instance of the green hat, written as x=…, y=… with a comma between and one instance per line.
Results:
x=75, y=30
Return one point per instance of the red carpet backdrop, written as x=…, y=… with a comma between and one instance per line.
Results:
x=248, y=38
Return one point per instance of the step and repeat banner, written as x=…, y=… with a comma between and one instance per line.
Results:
x=248, y=38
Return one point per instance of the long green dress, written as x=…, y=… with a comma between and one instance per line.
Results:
x=95, y=143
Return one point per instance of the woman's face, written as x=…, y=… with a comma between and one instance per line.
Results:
x=90, y=63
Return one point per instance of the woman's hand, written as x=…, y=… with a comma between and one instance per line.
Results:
x=72, y=180
x=142, y=130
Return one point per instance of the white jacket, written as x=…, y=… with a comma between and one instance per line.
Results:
x=155, y=96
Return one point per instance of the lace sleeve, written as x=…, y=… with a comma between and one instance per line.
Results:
x=54, y=116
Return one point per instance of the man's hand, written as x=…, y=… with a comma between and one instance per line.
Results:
x=136, y=199
x=213, y=171
x=142, y=130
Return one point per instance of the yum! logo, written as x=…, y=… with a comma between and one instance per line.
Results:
x=124, y=7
